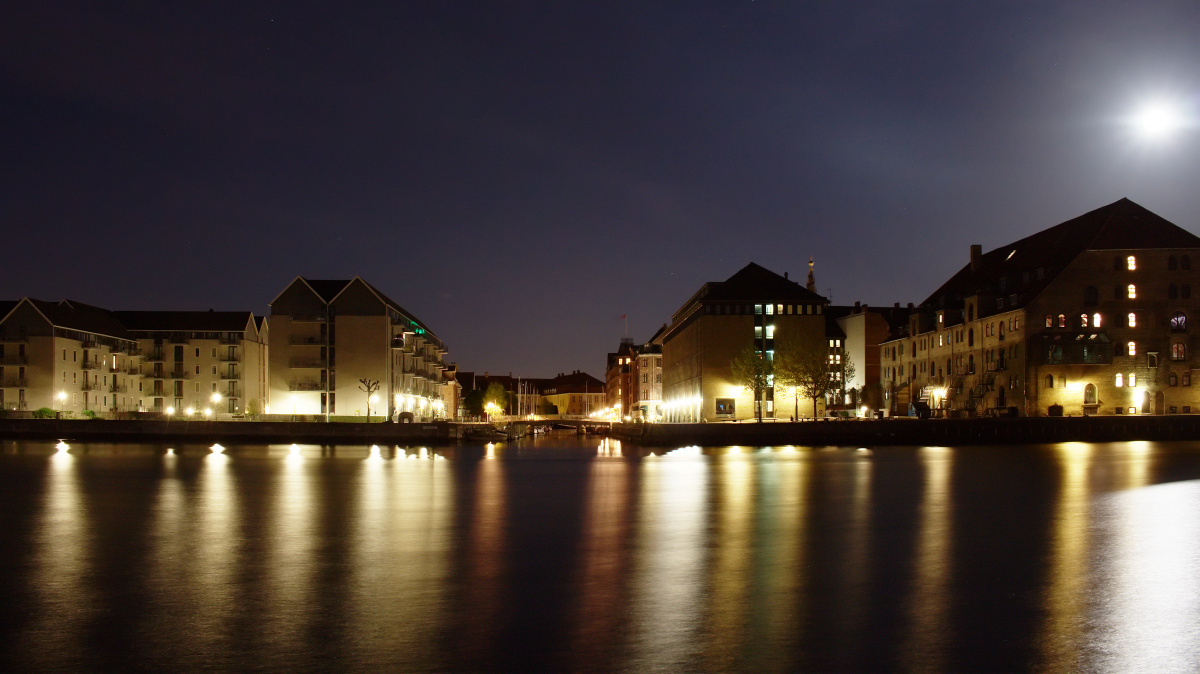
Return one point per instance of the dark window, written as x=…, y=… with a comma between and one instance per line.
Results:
x=1091, y=297
x=971, y=312
x=1171, y=264
x=1117, y=263
x=1185, y=291
x=1172, y=291
x=1172, y=380
x=1049, y=381
x=1089, y=394
x=1118, y=292
x=1185, y=263
x=971, y=337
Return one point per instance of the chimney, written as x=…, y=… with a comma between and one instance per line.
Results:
x=857, y=307
x=896, y=305
x=785, y=276
x=976, y=253
x=910, y=306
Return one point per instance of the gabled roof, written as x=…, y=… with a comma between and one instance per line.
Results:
x=73, y=315
x=185, y=321
x=1121, y=225
x=753, y=282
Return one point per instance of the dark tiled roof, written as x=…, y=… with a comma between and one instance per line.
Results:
x=1121, y=225
x=754, y=283
x=74, y=315
x=184, y=321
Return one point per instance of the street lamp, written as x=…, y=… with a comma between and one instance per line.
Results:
x=62, y=399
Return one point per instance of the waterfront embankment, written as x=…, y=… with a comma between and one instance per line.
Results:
x=905, y=431
x=253, y=432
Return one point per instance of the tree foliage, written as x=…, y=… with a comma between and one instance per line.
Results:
x=753, y=371
x=496, y=395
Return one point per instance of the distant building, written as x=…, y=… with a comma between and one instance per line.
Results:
x=330, y=334
x=201, y=359
x=1090, y=316
x=864, y=329
x=577, y=394
x=753, y=307
x=618, y=381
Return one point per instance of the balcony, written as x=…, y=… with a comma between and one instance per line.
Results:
x=306, y=363
x=155, y=357
x=235, y=340
x=308, y=318
x=115, y=388
x=305, y=340
x=133, y=351
x=87, y=386
x=306, y=386
x=89, y=365
x=179, y=374
x=15, y=382
x=10, y=339
x=14, y=360
x=231, y=375
x=231, y=358
x=133, y=372
x=114, y=370
x=88, y=343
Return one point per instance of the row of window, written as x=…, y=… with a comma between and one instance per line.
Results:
x=1130, y=262
x=1178, y=320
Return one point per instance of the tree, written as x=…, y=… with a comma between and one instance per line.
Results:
x=473, y=402
x=843, y=369
x=495, y=398
x=369, y=386
x=802, y=366
x=753, y=371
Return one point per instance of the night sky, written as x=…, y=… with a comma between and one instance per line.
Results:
x=519, y=175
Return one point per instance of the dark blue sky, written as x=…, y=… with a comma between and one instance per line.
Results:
x=519, y=175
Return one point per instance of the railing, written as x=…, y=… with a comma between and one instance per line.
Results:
x=89, y=365
x=133, y=372
x=231, y=358
x=85, y=386
x=14, y=360
x=114, y=388
x=88, y=343
x=231, y=375
x=179, y=374
x=306, y=386
x=113, y=370
x=301, y=340
x=308, y=318
x=230, y=340
x=14, y=340
x=155, y=357
x=133, y=351
x=15, y=382
x=306, y=363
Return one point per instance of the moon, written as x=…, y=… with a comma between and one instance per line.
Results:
x=1157, y=120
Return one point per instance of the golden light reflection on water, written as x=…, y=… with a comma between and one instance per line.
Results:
x=929, y=629
x=485, y=558
x=1146, y=595
x=730, y=566
x=218, y=547
x=668, y=575
x=291, y=554
x=604, y=561
x=854, y=576
x=64, y=598
x=784, y=537
x=1068, y=576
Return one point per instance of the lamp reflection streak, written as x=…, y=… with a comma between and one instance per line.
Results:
x=1066, y=594
x=929, y=604
x=669, y=570
x=729, y=570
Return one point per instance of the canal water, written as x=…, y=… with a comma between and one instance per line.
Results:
x=583, y=554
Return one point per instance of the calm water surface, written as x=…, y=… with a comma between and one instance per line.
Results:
x=587, y=555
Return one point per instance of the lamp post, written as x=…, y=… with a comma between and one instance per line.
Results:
x=62, y=399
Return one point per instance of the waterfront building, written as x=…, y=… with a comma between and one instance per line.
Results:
x=645, y=380
x=214, y=361
x=618, y=380
x=577, y=394
x=330, y=334
x=864, y=329
x=755, y=307
x=1090, y=316
x=67, y=356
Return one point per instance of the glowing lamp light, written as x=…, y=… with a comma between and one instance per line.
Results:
x=189, y=411
x=62, y=447
x=207, y=412
x=215, y=398
x=170, y=411
x=62, y=395
x=217, y=449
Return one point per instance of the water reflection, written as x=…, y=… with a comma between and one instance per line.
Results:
x=729, y=571
x=669, y=571
x=1062, y=633
x=217, y=548
x=929, y=628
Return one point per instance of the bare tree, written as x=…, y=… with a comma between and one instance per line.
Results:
x=369, y=386
x=753, y=370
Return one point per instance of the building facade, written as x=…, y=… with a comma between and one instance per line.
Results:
x=754, y=307
x=1088, y=317
x=330, y=335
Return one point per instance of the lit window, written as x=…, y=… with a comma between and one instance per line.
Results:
x=1083, y=320
x=1131, y=291
x=940, y=341
x=1132, y=379
x=1131, y=320
x=1062, y=320
x=1178, y=351
x=1131, y=263
x=770, y=309
x=1049, y=321
x=1179, y=321
x=1119, y=381
x=1095, y=320
x=770, y=332
x=1131, y=349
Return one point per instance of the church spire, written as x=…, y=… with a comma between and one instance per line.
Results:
x=812, y=281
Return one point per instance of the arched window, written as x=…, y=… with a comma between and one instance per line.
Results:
x=1131, y=349
x=1185, y=291
x=1178, y=351
x=1171, y=262
x=1131, y=263
x=1095, y=320
x=1132, y=379
x=1001, y=329
x=1089, y=394
x=1049, y=321
x=1131, y=320
x=1179, y=321
x=1091, y=296
x=1016, y=323
x=1062, y=320
x=1119, y=381
x=971, y=337
x=1131, y=291
x=1083, y=320
x=1185, y=263
x=1172, y=291
x=1050, y=381
x=971, y=364
x=1172, y=380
